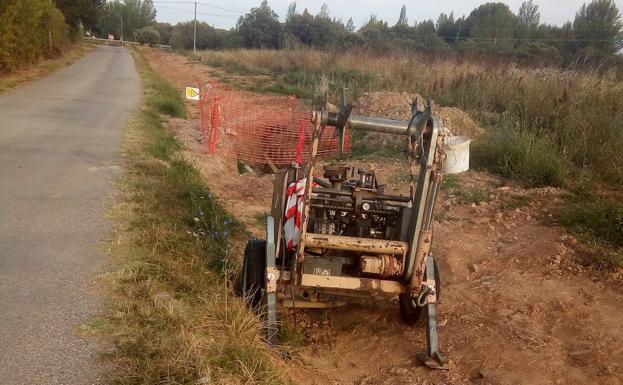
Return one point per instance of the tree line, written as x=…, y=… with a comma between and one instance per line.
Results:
x=595, y=36
x=30, y=29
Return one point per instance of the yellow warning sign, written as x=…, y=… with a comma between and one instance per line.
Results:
x=192, y=93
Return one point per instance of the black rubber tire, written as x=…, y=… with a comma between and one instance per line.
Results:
x=252, y=281
x=415, y=315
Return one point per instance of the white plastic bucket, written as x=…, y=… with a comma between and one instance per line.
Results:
x=456, y=149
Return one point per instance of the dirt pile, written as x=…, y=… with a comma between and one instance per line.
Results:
x=392, y=105
x=458, y=122
x=396, y=105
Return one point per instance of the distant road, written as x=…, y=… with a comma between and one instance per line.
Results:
x=59, y=152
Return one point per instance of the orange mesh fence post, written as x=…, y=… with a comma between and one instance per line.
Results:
x=203, y=93
x=216, y=125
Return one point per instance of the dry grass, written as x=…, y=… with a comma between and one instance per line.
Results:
x=173, y=318
x=44, y=67
x=576, y=115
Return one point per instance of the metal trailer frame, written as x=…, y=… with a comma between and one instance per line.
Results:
x=417, y=273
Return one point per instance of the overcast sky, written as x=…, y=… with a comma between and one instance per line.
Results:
x=224, y=13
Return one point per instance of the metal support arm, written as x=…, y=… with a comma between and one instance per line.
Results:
x=271, y=282
x=433, y=357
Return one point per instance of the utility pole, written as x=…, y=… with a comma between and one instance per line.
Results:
x=195, y=32
x=121, y=37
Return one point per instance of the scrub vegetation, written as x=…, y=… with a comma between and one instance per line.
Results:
x=174, y=318
x=29, y=30
x=544, y=125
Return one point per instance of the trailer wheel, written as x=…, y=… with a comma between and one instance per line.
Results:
x=414, y=315
x=253, y=270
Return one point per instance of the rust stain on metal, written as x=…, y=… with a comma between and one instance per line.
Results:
x=386, y=266
x=336, y=242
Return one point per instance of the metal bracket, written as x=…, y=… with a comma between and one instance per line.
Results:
x=433, y=358
x=271, y=283
x=342, y=120
x=272, y=276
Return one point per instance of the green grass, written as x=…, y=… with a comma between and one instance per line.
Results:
x=260, y=218
x=598, y=221
x=292, y=336
x=513, y=153
x=474, y=195
x=450, y=182
x=300, y=81
x=516, y=201
x=166, y=99
x=173, y=317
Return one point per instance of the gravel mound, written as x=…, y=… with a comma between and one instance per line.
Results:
x=395, y=105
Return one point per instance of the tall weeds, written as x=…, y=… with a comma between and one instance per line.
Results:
x=580, y=115
x=514, y=153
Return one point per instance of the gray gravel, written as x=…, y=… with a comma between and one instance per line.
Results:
x=59, y=151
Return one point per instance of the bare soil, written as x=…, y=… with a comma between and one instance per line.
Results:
x=521, y=304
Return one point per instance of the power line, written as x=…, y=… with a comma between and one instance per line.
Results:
x=175, y=9
x=465, y=27
x=234, y=10
x=190, y=11
x=524, y=39
x=213, y=14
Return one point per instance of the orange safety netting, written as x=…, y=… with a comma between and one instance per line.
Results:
x=266, y=129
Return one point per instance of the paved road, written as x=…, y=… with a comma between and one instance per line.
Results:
x=59, y=150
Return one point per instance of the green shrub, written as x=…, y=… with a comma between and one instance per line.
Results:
x=170, y=107
x=168, y=100
x=595, y=217
x=30, y=29
x=521, y=154
x=147, y=35
x=450, y=182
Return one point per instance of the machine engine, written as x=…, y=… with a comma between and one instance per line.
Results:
x=352, y=204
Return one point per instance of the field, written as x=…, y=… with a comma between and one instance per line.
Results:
x=544, y=127
x=576, y=117
x=520, y=289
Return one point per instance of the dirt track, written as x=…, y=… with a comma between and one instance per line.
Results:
x=519, y=306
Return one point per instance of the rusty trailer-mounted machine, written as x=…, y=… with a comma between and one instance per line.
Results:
x=355, y=242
